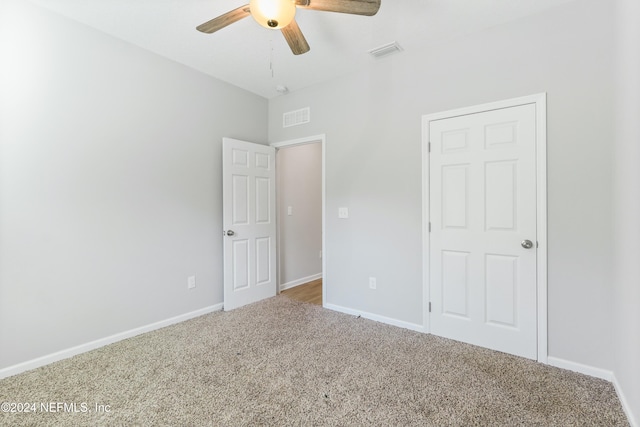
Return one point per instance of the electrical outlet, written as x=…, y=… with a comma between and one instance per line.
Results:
x=191, y=282
x=343, y=213
x=372, y=283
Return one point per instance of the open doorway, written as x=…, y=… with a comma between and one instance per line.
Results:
x=300, y=211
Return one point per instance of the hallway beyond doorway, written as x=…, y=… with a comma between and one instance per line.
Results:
x=309, y=292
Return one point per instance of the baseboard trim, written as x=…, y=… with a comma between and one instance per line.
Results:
x=598, y=373
x=83, y=348
x=580, y=368
x=298, y=282
x=625, y=403
x=382, y=319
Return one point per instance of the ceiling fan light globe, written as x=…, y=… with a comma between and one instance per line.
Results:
x=273, y=14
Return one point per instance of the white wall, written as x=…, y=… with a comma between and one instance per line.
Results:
x=626, y=218
x=373, y=160
x=299, y=171
x=110, y=183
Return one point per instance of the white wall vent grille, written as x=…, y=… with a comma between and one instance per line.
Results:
x=385, y=50
x=297, y=117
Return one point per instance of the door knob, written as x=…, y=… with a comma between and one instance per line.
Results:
x=230, y=233
x=527, y=244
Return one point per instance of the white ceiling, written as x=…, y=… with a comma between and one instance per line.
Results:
x=258, y=59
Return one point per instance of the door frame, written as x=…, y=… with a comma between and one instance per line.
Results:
x=540, y=101
x=292, y=143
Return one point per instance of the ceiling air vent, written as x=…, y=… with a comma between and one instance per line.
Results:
x=297, y=117
x=385, y=50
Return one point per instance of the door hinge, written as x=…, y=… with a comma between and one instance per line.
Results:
x=429, y=306
x=429, y=227
x=429, y=145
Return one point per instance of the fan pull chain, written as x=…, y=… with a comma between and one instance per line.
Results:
x=271, y=57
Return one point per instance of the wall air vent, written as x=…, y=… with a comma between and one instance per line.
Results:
x=385, y=50
x=297, y=117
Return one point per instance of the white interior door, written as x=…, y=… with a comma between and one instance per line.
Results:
x=249, y=221
x=483, y=216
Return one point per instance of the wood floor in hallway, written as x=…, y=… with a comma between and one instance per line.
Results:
x=309, y=292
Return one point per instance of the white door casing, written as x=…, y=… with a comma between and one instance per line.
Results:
x=249, y=222
x=483, y=183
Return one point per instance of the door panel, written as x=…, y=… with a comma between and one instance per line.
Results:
x=482, y=206
x=240, y=196
x=263, y=261
x=455, y=283
x=263, y=197
x=240, y=264
x=501, y=281
x=501, y=195
x=455, y=196
x=249, y=222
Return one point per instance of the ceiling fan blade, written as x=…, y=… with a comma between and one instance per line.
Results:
x=356, y=7
x=223, y=20
x=295, y=38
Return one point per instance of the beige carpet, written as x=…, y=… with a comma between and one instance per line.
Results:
x=281, y=362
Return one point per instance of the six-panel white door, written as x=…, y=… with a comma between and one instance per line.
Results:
x=482, y=212
x=249, y=221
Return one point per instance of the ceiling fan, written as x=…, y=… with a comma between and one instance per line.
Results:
x=280, y=15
